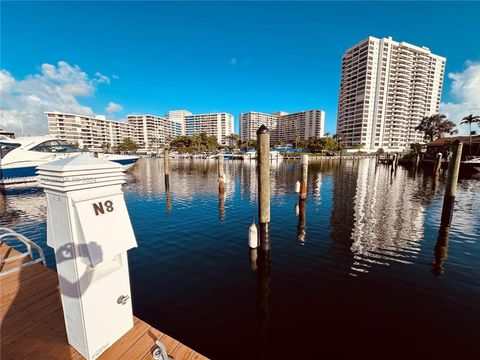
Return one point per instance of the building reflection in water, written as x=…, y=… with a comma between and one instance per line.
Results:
x=187, y=178
x=381, y=221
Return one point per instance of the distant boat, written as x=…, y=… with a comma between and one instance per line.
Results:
x=252, y=155
x=20, y=157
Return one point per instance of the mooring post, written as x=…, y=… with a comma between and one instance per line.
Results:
x=221, y=174
x=451, y=187
x=263, y=170
x=438, y=164
x=166, y=168
x=303, y=177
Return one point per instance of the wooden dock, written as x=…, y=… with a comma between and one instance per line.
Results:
x=32, y=323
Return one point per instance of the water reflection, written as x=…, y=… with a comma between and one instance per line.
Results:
x=302, y=220
x=262, y=303
x=441, y=251
x=385, y=219
x=360, y=219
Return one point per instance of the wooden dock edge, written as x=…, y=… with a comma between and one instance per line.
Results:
x=32, y=323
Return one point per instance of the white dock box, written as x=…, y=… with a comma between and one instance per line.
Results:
x=89, y=228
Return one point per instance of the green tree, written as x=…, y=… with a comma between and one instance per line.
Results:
x=106, y=146
x=416, y=148
x=127, y=145
x=196, y=143
x=380, y=151
x=316, y=144
x=470, y=119
x=359, y=147
x=233, y=140
x=435, y=126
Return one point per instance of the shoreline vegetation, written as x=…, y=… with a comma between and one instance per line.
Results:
x=433, y=127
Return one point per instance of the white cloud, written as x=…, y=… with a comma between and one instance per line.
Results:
x=100, y=78
x=113, y=107
x=465, y=89
x=233, y=61
x=55, y=88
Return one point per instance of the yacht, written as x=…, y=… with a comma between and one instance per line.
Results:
x=20, y=157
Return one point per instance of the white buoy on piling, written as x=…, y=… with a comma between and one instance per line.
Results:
x=297, y=187
x=253, y=236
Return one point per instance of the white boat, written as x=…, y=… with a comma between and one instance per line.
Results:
x=252, y=155
x=20, y=157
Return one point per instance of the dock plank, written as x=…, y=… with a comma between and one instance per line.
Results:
x=32, y=322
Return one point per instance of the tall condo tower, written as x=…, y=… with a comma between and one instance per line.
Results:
x=387, y=87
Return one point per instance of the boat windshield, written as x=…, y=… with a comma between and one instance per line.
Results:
x=6, y=147
x=56, y=146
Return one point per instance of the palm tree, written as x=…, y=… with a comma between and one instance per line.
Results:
x=470, y=119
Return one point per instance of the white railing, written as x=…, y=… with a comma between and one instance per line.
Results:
x=8, y=233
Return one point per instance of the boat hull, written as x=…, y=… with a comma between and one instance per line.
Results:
x=27, y=174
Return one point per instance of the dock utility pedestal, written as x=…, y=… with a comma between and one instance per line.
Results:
x=89, y=228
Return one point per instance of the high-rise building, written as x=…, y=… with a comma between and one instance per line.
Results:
x=214, y=124
x=150, y=131
x=284, y=127
x=251, y=121
x=178, y=116
x=301, y=125
x=94, y=132
x=387, y=87
x=87, y=131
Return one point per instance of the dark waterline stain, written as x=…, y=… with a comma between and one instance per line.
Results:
x=360, y=269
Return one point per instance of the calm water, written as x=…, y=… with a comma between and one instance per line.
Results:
x=361, y=270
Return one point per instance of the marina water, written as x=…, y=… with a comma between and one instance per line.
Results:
x=361, y=271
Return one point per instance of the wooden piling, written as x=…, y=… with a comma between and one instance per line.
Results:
x=221, y=174
x=166, y=168
x=263, y=173
x=303, y=177
x=451, y=187
x=437, y=165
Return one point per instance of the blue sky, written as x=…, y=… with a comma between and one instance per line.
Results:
x=205, y=57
